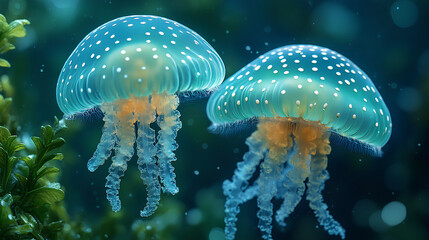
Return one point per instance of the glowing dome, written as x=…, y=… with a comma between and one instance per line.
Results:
x=308, y=82
x=136, y=56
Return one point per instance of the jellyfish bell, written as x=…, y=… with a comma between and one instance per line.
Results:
x=299, y=95
x=113, y=51
x=134, y=69
x=311, y=82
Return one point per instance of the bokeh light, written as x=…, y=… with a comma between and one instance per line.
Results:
x=393, y=213
x=404, y=13
x=336, y=21
x=216, y=234
x=17, y=7
x=376, y=222
x=362, y=211
x=194, y=216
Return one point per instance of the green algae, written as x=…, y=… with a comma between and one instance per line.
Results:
x=9, y=31
x=28, y=186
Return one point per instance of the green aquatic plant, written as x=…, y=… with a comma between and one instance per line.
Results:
x=4, y=110
x=27, y=185
x=6, y=93
x=7, y=33
x=6, y=88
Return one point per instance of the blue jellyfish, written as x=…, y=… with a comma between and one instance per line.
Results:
x=133, y=68
x=299, y=95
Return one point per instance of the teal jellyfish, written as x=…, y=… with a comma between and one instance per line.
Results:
x=299, y=95
x=133, y=68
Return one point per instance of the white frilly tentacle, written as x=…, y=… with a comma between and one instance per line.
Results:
x=233, y=190
x=295, y=153
x=168, y=121
x=294, y=183
x=315, y=186
x=149, y=170
x=124, y=150
x=107, y=141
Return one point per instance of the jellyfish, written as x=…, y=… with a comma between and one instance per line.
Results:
x=299, y=96
x=134, y=69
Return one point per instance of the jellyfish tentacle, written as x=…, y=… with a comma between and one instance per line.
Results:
x=295, y=187
x=315, y=186
x=271, y=170
x=169, y=122
x=249, y=193
x=233, y=190
x=305, y=137
x=280, y=143
x=124, y=150
x=149, y=171
x=108, y=138
x=291, y=198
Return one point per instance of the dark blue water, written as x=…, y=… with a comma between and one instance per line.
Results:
x=387, y=39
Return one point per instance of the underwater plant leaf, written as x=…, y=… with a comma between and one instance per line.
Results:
x=28, y=160
x=47, y=170
x=6, y=217
x=18, y=146
x=21, y=229
x=21, y=179
x=4, y=63
x=16, y=28
x=9, y=143
x=3, y=158
x=48, y=194
x=8, y=171
x=7, y=200
x=48, y=134
x=6, y=165
x=57, y=226
x=58, y=125
x=4, y=135
x=7, y=33
x=4, y=107
x=28, y=219
x=6, y=86
x=39, y=144
x=2, y=21
x=4, y=47
x=13, y=145
x=50, y=157
x=12, y=161
x=56, y=143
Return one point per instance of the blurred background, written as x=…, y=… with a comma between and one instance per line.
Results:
x=383, y=198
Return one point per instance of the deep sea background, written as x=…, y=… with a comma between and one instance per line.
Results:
x=389, y=40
